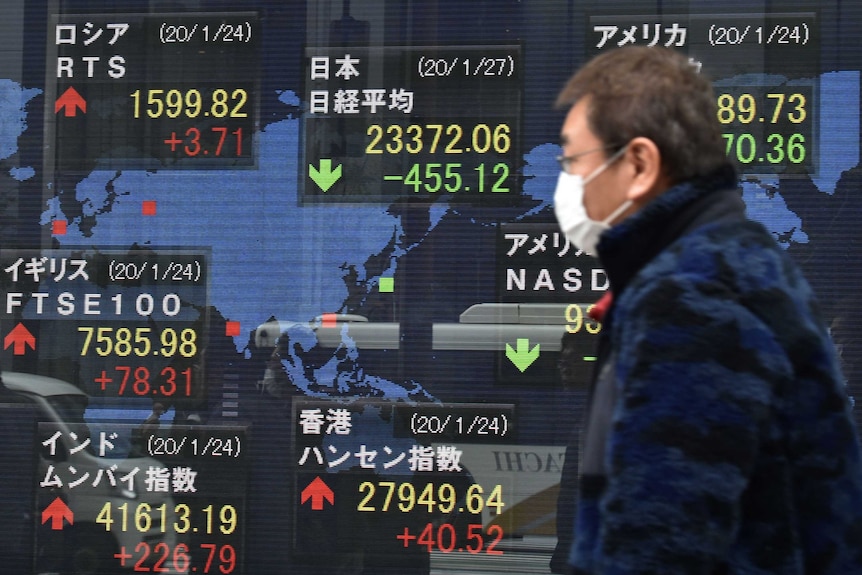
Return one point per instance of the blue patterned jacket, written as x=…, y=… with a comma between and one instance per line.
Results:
x=719, y=439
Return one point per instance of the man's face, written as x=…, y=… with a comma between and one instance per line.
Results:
x=607, y=191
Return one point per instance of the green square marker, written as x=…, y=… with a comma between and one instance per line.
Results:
x=387, y=285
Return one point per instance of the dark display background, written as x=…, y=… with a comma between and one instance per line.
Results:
x=273, y=258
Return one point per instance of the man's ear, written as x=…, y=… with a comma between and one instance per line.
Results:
x=644, y=158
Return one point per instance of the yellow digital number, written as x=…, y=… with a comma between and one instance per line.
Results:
x=415, y=138
x=125, y=341
x=799, y=109
x=228, y=517
x=193, y=103
x=426, y=497
x=726, y=113
x=577, y=320
x=778, y=99
x=104, y=517
x=407, y=497
x=142, y=341
x=415, y=133
x=797, y=115
x=363, y=505
x=447, y=497
x=240, y=96
x=88, y=338
x=495, y=499
x=153, y=99
x=395, y=144
x=438, y=130
x=103, y=335
x=747, y=108
x=455, y=132
x=390, y=490
x=143, y=521
x=174, y=103
x=219, y=107
x=182, y=524
x=475, y=501
x=376, y=133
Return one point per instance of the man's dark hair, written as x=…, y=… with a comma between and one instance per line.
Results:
x=655, y=93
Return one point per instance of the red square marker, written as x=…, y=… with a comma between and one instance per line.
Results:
x=58, y=227
x=231, y=329
x=327, y=320
x=148, y=208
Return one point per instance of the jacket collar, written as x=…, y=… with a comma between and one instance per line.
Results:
x=627, y=247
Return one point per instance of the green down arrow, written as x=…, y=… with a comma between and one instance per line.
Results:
x=524, y=356
x=325, y=177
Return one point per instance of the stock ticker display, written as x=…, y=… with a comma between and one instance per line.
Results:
x=282, y=288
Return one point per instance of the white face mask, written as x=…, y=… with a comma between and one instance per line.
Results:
x=572, y=216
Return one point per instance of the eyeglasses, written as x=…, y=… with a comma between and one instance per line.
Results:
x=566, y=161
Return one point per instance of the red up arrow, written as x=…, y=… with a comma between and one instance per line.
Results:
x=57, y=511
x=20, y=337
x=71, y=100
x=317, y=491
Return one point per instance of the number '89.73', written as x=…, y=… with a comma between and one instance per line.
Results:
x=770, y=108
